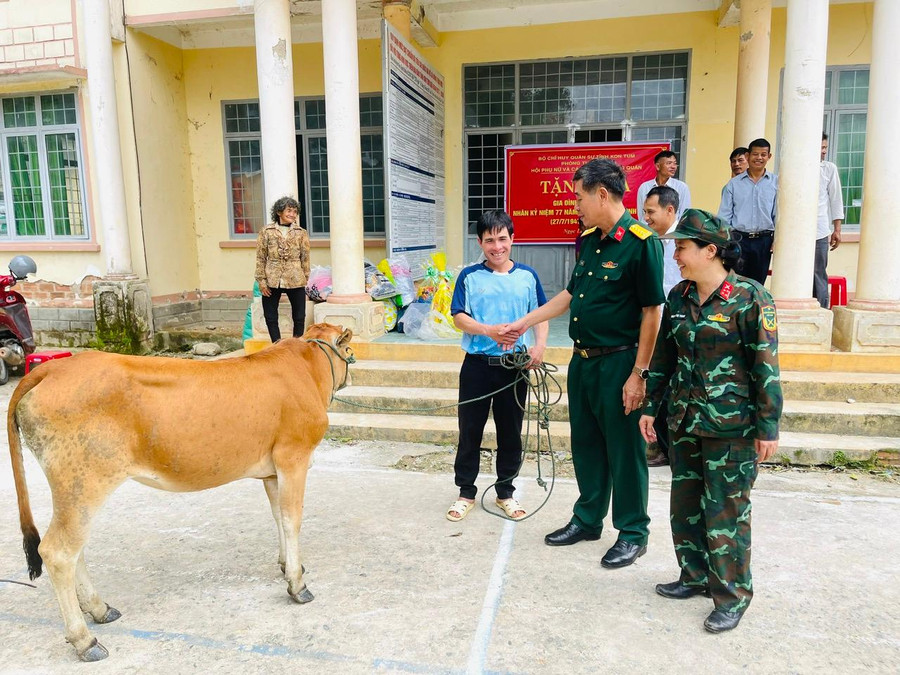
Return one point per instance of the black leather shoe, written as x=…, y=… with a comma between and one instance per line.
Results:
x=719, y=621
x=679, y=591
x=622, y=554
x=570, y=534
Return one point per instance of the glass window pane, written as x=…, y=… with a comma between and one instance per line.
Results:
x=318, y=183
x=25, y=184
x=4, y=228
x=670, y=133
x=828, y=77
x=58, y=109
x=65, y=185
x=373, y=183
x=19, y=112
x=315, y=114
x=658, y=89
x=850, y=158
x=545, y=137
x=489, y=96
x=241, y=117
x=297, y=124
x=582, y=92
x=370, y=114
x=245, y=173
x=853, y=87
x=486, y=174
x=598, y=135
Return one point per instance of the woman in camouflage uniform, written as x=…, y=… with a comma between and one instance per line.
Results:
x=282, y=265
x=718, y=350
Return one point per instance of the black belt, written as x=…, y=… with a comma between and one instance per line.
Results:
x=756, y=235
x=591, y=352
x=490, y=360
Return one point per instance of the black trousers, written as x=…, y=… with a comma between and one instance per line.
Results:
x=297, y=296
x=820, y=272
x=756, y=254
x=477, y=378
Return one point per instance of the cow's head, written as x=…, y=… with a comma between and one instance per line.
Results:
x=337, y=339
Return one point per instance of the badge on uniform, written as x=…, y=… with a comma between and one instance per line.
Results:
x=610, y=265
x=769, y=321
x=639, y=231
x=727, y=288
x=719, y=318
x=619, y=234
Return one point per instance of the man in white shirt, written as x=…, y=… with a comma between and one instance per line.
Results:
x=660, y=214
x=828, y=227
x=666, y=168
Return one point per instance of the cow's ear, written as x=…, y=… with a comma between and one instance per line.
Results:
x=345, y=337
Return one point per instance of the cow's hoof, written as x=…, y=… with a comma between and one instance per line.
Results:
x=303, y=596
x=96, y=652
x=111, y=615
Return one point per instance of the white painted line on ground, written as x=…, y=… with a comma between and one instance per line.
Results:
x=482, y=640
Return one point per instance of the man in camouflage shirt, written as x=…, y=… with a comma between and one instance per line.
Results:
x=719, y=355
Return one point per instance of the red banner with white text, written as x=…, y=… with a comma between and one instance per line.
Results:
x=540, y=195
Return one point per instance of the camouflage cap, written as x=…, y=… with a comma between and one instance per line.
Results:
x=697, y=224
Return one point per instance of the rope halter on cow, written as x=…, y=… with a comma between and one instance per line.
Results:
x=348, y=359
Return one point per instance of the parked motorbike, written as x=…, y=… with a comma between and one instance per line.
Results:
x=16, y=334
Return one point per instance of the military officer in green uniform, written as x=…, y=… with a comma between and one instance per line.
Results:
x=614, y=298
x=718, y=351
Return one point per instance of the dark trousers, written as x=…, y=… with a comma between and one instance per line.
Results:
x=608, y=453
x=477, y=378
x=661, y=424
x=297, y=296
x=756, y=254
x=820, y=273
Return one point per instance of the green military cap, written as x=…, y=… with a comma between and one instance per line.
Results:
x=698, y=224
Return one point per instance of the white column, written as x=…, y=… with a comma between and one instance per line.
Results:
x=107, y=155
x=878, y=275
x=275, y=75
x=344, y=152
x=753, y=71
x=803, y=104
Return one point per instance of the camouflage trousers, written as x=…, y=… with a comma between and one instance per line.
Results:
x=710, y=515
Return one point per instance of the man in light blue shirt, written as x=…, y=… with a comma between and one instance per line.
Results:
x=748, y=206
x=666, y=168
x=486, y=297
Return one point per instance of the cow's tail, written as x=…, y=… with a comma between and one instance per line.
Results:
x=31, y=537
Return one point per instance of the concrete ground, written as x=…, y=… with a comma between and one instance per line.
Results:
x=399, y=589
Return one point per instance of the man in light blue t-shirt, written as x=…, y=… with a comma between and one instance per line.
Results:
x=488, y=296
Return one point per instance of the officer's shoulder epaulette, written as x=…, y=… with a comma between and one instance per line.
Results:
x=639, y=231
x=587, y=232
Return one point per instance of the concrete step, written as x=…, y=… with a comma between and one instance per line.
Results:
x=795, y=448
x=450, y=352
x=825, y=417
x=801, y=386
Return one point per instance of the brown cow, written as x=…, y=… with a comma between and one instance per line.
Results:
x=96, y=420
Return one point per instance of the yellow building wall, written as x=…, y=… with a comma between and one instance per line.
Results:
x=161, y=123
x=213, y=76
x=216, y=75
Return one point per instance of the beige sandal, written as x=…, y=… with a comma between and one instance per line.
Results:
x=511, y=507
x=459, y=509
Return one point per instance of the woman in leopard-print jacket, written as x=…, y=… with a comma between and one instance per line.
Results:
x=282, y=265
